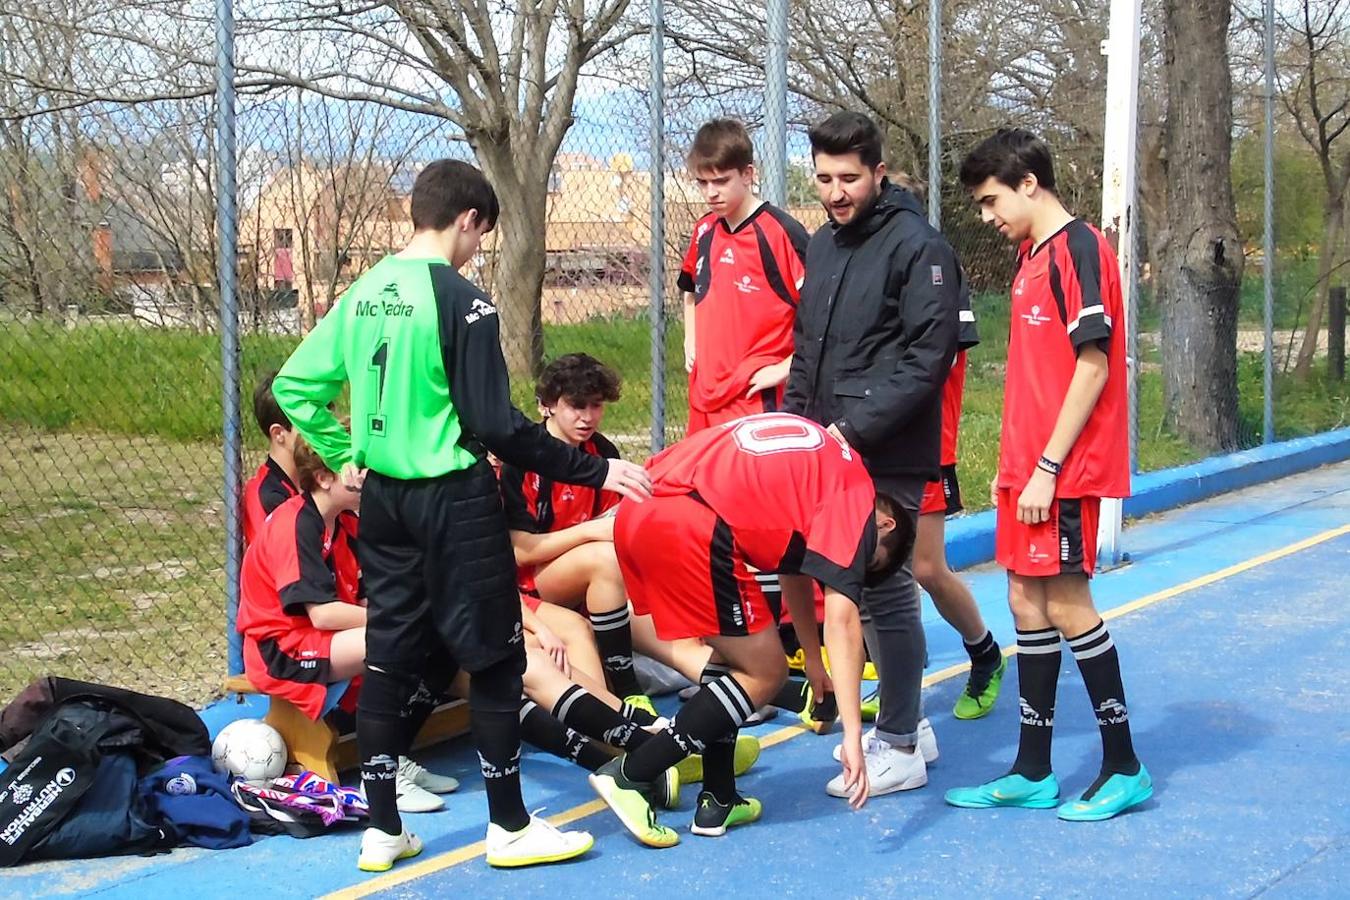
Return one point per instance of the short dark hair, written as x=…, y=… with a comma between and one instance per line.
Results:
x=265, y=407
x=898, y=543
x=1007, y=156
x=448, y=187
x=721, y=144
x=579, y=377
x=848, y=132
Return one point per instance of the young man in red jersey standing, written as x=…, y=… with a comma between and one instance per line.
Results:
x=1064, y=447
x=741, y=278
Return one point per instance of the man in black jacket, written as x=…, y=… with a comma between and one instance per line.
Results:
x=876, y=331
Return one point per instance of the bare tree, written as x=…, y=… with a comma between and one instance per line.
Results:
x=1199, y=248
x=1316, y=95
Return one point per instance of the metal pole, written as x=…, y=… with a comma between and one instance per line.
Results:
x=773, y=183
x=1268, y=241
x=935, y=113
x=1118, y=204
x=657, y=278
x=226, y=272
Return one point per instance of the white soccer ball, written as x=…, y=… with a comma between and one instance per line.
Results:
x=251, y=749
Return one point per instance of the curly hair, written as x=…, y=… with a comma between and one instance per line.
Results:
x=580, y=378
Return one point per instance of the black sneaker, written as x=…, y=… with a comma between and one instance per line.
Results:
x=712, y=819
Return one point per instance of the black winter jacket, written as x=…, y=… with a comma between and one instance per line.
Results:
x=876, y=331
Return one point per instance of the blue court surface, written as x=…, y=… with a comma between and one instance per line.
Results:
x=1233, y=623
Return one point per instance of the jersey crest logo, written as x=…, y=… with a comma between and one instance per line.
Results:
x=728, y=257
x=1034, y=317
x=937, y=274
x=480, y=309
x=745, y=286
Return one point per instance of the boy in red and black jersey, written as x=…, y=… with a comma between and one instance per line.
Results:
x=561, y=537
x=765, y=493
x=274, y=482
x=1064, y=447
x=741, y=279
x=942, y=498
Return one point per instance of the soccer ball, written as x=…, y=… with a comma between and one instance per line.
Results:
x=251, y=749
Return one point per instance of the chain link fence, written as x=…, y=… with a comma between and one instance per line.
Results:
x=112, y=560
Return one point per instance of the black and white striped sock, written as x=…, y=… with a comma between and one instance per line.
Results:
x=1038, y=660
x=715, y=713
x=1099, y=663
x=614, y=640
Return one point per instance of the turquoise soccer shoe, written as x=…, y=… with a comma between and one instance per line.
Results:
x=1010, y=790
x=1119, y=793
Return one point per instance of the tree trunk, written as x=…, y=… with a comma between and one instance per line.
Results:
x=519, y=258
x=1200, y=252
x=1333, y=229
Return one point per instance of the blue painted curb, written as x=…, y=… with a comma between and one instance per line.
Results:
x=970, y=539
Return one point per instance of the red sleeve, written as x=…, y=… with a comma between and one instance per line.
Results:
x=253, y=513
x=1081, y=279
x=303, y=575
x=689, y=266
x=794, y=256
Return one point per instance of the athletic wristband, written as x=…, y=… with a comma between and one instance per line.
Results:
x=1045, y=464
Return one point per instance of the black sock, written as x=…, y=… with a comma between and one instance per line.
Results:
x=1099, y=663
x=1038, y=659
x=430, y=693
x=497, y=737
x=537, y=727
x=381, y=738
x=636, y=714
x=716, y=711
x=580, y=709
x=984, y=654
x=791, y=696
x=614, y=639
x=719, y=769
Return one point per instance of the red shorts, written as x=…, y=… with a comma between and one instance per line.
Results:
x=1065, y=544
x=295, y=666
x=942, y=496
x=531, y=599
x=682, y=567
x=765, y=401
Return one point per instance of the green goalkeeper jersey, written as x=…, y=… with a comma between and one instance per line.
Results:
x=421, y=348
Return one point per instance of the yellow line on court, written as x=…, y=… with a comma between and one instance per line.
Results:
x=413, y=871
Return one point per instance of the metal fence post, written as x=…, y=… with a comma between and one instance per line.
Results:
x=1268, y=240
x=935, y=113
x=657, y=277
x=226, y=274
x=774, y=181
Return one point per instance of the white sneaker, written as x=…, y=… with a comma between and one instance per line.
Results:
x=427, y=781
x=927, y=742
x=410, y=797
x=889, y=769
x=379, y=851
x=538, y=842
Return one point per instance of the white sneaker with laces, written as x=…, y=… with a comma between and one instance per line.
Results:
x=927, y=742
x=427, y=781
x=379, y=850
x=889, y=769
x=536, y=843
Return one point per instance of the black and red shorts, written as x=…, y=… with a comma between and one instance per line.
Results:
x=942, y=496
x=295, y=665
x=681, y=565
x=1064, y=544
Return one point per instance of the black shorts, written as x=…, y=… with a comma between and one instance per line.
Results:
x=437, y=562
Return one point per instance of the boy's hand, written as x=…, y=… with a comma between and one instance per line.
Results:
x=1033, y=505
x=993, y=492
x=551, y=644
x=688, y=355
x=628, y=479
x=353, y=478
x=855, y=770
x=771, y=376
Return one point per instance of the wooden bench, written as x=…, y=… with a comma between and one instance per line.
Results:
x=319, y=747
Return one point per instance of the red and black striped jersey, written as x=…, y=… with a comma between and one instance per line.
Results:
x=295, y=560
x=1066, y=294
x=269, y=487
x=746, y=283
x=538, y=505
